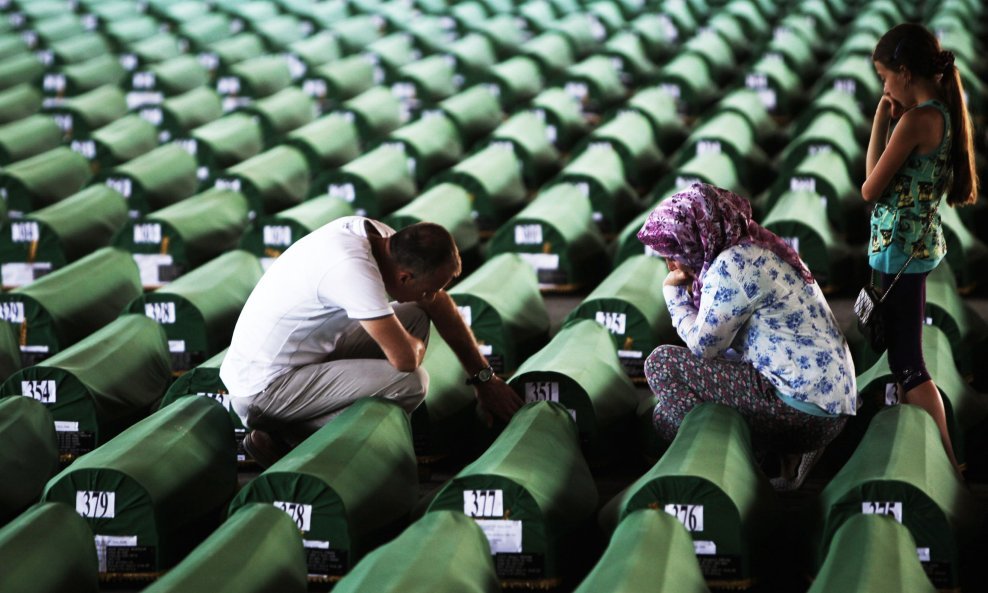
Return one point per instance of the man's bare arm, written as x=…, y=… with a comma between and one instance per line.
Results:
x=403, y=350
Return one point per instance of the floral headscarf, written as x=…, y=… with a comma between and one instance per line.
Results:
x=695, y=225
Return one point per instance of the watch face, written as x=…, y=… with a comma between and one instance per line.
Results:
x=485, y=375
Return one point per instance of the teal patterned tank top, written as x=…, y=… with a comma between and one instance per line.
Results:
x=904, y=211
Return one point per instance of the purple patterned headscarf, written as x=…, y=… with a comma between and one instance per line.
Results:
x=695, y=225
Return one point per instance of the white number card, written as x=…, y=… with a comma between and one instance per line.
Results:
x=95, y=504
x=542, y=391
x=690, y=515
x=483, y=503
x=300, y=513
x=883, y=508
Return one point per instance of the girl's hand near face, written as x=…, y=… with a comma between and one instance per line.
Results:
x=889, y=108
x=678, y=275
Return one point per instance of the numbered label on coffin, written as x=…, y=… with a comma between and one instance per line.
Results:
x=156, y=269
x=483, y=503
x=884, y=507
x=20, y=273
x=541, y=391
x=95, y=504
x=690, y=515
x=300, y=513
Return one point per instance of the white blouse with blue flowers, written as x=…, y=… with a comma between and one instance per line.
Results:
x=757, y=305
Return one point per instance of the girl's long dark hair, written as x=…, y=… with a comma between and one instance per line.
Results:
x=915, y=48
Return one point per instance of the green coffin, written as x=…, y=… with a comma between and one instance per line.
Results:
x=53, y=28
x=501, y=304
x=27, y=548
x=271, y=235
x=630, y=134
x=10, y=351
x=28, y=137
x=475, y=112
x=339, y=80
x=80, y=116
x=493, y=177
x=505, y=32
x=156, y=179
x=748, y=104
x=376, y=183
x=168, y=242
x=689, y=80
x=282, y=112
x=871, y=553
x=251, y=79
x=515, y=81
x=29, y=457
x=425, y=82
x=223, y=143
x=327, y=143
x=630, y=304
x=557, y=236
x=42, y=180
x=272, y=180
x=829, y=131
x=714, y=48
x=595, y=83
x=76, y=79
x=153, y=50
x=173, y=77
x=18, y=102
x=432, y=144
x=20, y=69
x=407, y=564
x=652, y=534
x=730, y=133
x=629, y=51
x=311, y=52
x=965, y=330
x=376, y=112
x=198, y=310
x=114, y=144
x=348, y=486
x=61, y=308
x=839, y=102
x=579, y=31
x=564, y=119
x=529, y=136
x=710, y=481
x=474, y=55
x=900, y=470
x=447, y=205
x=153, y=490
x=217, y=564
x=12, y=45
x=125, y=32
x=526, y=502
x=966, y=253
x=553, y=53
x=827, y=175
x=854, y=75
x=279, y=32
x=357, y=31
x=99, y=386
x=658, y=36
x=204, y=31
x=778, y=86
x=178, y=116
x=599, y=173
x=225, y=53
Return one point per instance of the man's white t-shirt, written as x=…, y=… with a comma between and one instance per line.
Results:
x=303, y=304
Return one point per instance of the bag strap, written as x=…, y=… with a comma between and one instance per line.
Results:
x=911, y=255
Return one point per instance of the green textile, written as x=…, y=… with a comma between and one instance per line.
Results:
x=730, y=133
x=69, y=304
x=20, y=69
x=630, y=134
x=796, y=50
x=99, y=385
x=272, y=235
x=966, y=253
x=125, y=139
x=659, y=107
x=205, y=31
x=709, y=480
x=855, y=75
x=689, y=79
x=217, y=564
x=178, y=116
x=557, y=236
x=553, y=53
x=123, y=33
x=826, y=174
x=327, y=143
x=529, y=137
x=671, y=566
x=408, y=564
x=835, y=101
x=254, y=78
x=474, y=55
x=628, y=49
x=279, y=32
x=339, y=80
x=376, y=111
x=282, y=112
x=155, y=179
x=468, y=14
x=777, y=84
x=714, y=48
x=608, y=15
x=425, y=82
x=900, y=469
x=501, y=303
x=432, y=144
x=225, y=53
x=475, y=112
x=27, y=547
x=172, y=77
x=77, y=49
x=578, y=30
x=539, y=14
x=157, y=48
x=199, y=309
x=312, y=52
x=356, y=32
x=493, y=176
x=176, y=13
x=28, y=137
x=599, y=172
x=168, y=475
x=747, y=14
x=168, y=242
x=348, y=486
x=376, y=183
x=515, y=81
x=656, y=34
x=707, y=167
x=18, y=102
x=29, y=457
x=965, y=330
x=391, y=53
x=871, y=553
x=829, y=131
x=47, y=31
x=225, y=142
x=77, y=79
x=447, y=205
x=43, y=179
x=80, y=116
x=627, y=242
x=505, y=32
x=10, y=351
x=429, y=32
x=563, y=117
x=580, y=370
x=12, y=45
x=544, y=498
x=630, y=304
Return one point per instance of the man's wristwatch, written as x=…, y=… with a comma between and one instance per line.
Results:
x=483, y=376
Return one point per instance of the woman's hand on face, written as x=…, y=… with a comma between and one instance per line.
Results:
x=678, y=277
x=889, y=107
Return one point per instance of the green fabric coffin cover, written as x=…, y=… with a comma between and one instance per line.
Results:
x=357, y=31
x=468, y=14
x=279, y=114
x=747, y=103
x=552, y=52
x=854, y=75
x=425, y=82
x=119, y=142
x=223, y=143
x=501, y=304
x=474, y=55
x=339, y=80
x=715, y=168
x=966, y=253
x=599, y=172
x=27, y=547
x=29, y=456
x=156, y=179
x=729, y=133
x=100, y=385
x=255, y=78
x=872, y=553
x=630, y=134
x=564, y=120
x=20, y=69
x=827, y=175
x=556, y=235
x=10, y=351
x=526, y=502
x=830, y=131
x=198, y=311
x=579, y=31
x=312, y=52
x=61, y=308
x=80, y=116
x=272, y=181
x=173, y=77
x=493, y=177
x=777, y=84
x=475, y=111
x=168, y=242
x=530, y=138
x=47, y=31
x=689, y=80
x=42, y=180
x=629, y=51
x=123, y=33
x=377, y=113
x=155, y=488
x=900, y=469
x=12, y=45
x=376, y=183
x=800, y=218
x=153, y=50
x=505, y=32
x=28, y=137
x=260, y=532
x=223, y=54
x=838, y=102
x=328, y=142
x=432, y=144
x=270, y=236
x=279, y=32
x=709, y=480
x=658, y=36
x=965, y=330
x=580, y=370
x=447, y=205
x=178, y=116
x=657, y=536
x=713, y=47
x=348, y=486
x=77, y=79
x=205, y=30
x=389, y=54
x=18, y=102
x=515, y=82
x=630, y=304
x=408, y=564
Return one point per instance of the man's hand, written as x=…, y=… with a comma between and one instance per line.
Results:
x=497, y=400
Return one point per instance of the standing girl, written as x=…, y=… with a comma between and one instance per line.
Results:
x=928, y=154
